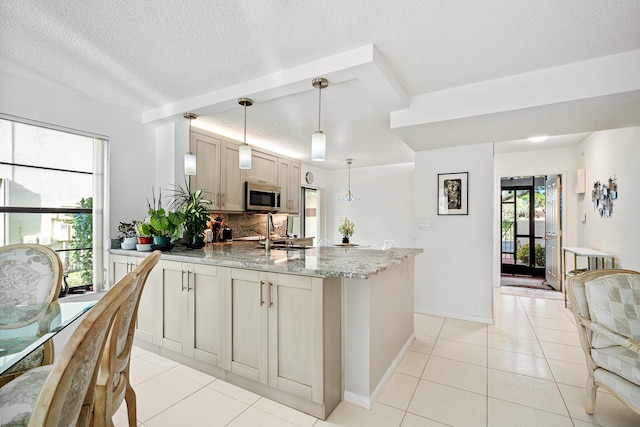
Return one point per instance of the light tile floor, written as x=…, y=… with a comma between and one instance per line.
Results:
x=526, y=369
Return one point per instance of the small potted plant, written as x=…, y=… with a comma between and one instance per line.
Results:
x=165, y=225
x=346, y=229
x=127, y=235
x=145, y=233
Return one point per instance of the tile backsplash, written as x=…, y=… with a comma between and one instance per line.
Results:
x=250, y=224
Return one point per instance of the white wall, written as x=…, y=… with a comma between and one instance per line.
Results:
x=131, y=144
x=454, y=274
x=385, y=209
x=603, y=155
x=562, y=162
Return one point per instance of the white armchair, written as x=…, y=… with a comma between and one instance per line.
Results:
x=606, y=305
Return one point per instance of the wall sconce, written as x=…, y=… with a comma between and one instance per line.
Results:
x=244, y=151
x=190, y=158
x=319, y=139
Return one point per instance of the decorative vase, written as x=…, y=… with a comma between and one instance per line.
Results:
x=145, y=240
x=345, y=240
x=161, y=240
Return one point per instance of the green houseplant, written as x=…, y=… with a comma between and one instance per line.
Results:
x=127, y=234
x=195, y=209
x=144, y=232
x=165, y=225
x=346, y=228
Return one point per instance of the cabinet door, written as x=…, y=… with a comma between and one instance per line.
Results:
x=207, y=178
x=118, y=268
x=174, y=305
x=295, y=335
x=264, y=168
x=232, y=197
x=149, y=309
x=284, y=181
x=203, y=339
x=294, y=187
x=248, y=340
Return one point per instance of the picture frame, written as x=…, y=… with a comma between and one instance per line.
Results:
x=453, y=193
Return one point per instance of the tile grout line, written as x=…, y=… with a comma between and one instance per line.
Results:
x=547, y=362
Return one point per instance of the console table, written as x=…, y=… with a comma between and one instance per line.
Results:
x=595, y=260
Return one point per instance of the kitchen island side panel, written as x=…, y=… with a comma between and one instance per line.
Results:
x=378, y=329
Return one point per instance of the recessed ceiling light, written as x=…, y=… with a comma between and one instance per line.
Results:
x=540, y=138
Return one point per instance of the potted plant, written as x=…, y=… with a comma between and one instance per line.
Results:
x=127, y=235
x=346, y=229
x=195, y=209
x=145, y=233
x=165, y=225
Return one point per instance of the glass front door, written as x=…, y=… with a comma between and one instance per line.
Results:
x=523, y=222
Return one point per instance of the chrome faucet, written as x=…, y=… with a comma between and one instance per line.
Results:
x=267, y=243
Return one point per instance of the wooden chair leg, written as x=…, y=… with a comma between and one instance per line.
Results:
x=130, y=398
x=592, y=388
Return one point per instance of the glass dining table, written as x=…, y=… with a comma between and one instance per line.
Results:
x=23, y=328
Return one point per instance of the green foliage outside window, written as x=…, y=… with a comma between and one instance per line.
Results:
x=523, y=254
x=82, y=260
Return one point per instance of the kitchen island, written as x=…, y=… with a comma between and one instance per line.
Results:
x=306, y=327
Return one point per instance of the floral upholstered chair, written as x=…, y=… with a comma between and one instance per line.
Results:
x=62, y=394
x=29, y=275
x=606, y=305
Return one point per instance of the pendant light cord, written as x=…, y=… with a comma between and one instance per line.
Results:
x=319, y=105
x=245, y=122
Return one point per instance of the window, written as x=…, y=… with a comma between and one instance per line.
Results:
x=52, y=193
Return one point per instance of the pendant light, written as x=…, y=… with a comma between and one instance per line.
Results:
x=190, y=158
x=244, y=158
x=319, y=139
x=349, y=196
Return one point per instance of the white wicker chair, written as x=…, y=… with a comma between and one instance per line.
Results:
x=606, y=306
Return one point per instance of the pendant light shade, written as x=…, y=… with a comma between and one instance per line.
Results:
x=189, y=157
x=349, y=197
x=189, y=163
x=318, y=146
x=319, y=139
x=244, y=158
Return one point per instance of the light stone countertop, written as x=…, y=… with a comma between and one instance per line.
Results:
x=351, y=262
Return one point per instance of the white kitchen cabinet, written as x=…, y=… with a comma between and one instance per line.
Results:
x=231, y=189
x=264, y=168
x=289, y=182
x=217, y=172
x=285, y=333
x=148, y=311
x=191, y=296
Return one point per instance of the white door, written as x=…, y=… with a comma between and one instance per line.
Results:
x=553, y=231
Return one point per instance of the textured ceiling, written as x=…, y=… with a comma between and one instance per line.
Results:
x=146, y=56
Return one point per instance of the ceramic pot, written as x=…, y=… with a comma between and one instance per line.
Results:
x=128, y=243
x=345, y=240
x=145, y=240
x=161, y=240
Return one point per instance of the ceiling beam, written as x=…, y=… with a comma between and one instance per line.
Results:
x=364, y=63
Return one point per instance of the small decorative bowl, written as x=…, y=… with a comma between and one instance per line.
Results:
x=143, y=247
x=128, y=246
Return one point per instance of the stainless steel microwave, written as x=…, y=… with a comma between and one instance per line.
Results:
x=261, y=197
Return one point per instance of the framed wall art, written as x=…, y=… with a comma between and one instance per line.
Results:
x=453, y=193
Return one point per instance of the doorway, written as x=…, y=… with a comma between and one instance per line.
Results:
x=310, y=223
x=530, y=233
x=523, y=225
